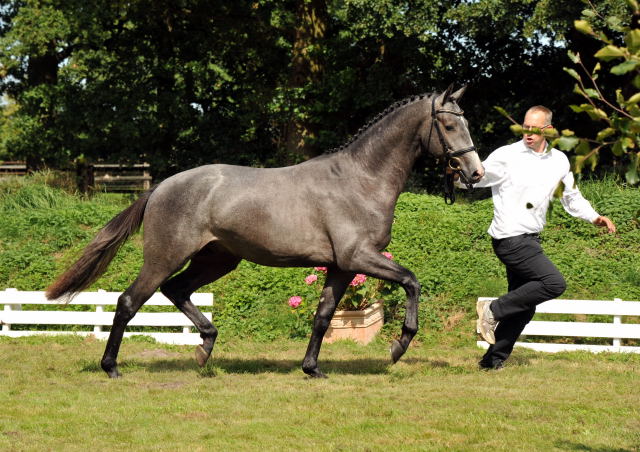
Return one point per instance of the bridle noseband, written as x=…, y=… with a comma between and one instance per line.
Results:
x=451, y=160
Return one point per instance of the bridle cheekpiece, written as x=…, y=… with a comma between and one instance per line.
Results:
x=451, y=156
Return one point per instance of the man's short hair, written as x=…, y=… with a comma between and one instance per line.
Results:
x=542, y=109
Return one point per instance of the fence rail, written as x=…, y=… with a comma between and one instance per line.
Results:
x=615, y=330
x=113, y=177
x=17, y=310
x=17, y=168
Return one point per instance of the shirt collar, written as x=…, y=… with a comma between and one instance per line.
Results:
x=538, y=154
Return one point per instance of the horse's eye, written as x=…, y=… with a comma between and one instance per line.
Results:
x=449, y=128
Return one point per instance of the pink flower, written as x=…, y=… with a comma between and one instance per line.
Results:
x=295, y=301
x=388, y=255
x=311, y=279
x=358, y=280
x=320, y=269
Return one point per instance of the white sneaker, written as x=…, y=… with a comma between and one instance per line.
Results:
x=486, y=324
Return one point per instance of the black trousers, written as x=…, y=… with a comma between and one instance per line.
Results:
x=532, y=279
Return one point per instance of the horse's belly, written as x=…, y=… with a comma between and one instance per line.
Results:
x=283, y=248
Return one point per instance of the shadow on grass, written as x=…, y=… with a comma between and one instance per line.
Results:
x=568, y=445
x=258, y=366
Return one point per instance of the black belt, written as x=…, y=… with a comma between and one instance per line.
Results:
x=529, y=234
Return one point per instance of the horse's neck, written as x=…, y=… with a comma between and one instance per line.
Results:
x=387, y=153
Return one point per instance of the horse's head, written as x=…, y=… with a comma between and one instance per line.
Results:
x=447, y=137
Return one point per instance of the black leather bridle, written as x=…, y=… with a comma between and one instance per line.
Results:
x=451, y=157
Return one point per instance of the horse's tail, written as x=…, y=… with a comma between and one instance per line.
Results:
x=98, y=254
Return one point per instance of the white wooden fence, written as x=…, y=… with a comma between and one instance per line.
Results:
x=14, y=313
x=615, y=330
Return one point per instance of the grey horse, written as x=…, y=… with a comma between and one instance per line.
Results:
x=335, y=210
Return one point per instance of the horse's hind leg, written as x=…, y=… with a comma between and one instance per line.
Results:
x=206, y=266
x=128, y=304
x=334, y=288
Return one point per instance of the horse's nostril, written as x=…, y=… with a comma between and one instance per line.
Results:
x=477, y=175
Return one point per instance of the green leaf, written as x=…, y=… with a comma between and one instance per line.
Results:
x=501, y=110
x=580, y=108
x=568, y=133
x=633, y=4
x=618, y=149
x=624, y=67
x=550, y=132
x=604, y=133
x=516, y=129
x=566, y=143
x=583, y=26
x=634, y=99
x=592, y=93
x=614, y=23
x=583, y=148
x=592, y=160
x=632, y=174
x=596, y=113
x=633, y=40
x=609, y=52
x=572, y=72
x=557, y=193
x=575, y=57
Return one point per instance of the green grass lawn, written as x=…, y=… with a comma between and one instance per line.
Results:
x=253, y=396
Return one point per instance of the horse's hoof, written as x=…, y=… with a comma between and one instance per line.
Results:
x=396, y=351
x=315, y=373
x=114, y=373
x=201, y=356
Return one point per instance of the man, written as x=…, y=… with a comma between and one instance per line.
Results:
x=523, y=177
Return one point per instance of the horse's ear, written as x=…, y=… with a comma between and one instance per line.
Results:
x=447, y=93
x=455, y=97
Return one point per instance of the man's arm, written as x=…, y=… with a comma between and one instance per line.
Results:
x=576, y=205
x=494, y=172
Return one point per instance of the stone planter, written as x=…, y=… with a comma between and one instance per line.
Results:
x=360, y=326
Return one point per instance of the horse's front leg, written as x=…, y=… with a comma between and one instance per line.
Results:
x=333, y=290
x=372, y=263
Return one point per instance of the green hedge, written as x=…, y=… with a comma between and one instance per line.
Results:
x=43, y=229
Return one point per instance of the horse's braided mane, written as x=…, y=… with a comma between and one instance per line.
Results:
x=390, y=109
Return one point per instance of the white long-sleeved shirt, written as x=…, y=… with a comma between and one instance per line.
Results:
x=522, y=184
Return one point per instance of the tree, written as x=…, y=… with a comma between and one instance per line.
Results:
x=618, y=114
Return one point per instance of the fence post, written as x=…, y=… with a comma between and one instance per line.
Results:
x=146, y=184
x=99, y=308
x=5, y=326
x=617, y=320
x=10, y=307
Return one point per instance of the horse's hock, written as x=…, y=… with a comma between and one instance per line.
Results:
x=360, y=326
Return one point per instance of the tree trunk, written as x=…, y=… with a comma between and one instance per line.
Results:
x=42, y=70
x=306, y=68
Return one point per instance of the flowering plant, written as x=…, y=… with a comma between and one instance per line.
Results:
x=362, y=292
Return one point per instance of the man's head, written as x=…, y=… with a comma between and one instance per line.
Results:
x=536, y=120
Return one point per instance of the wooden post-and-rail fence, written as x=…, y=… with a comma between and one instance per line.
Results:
x=112, y=177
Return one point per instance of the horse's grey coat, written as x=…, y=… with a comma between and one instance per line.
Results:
x=335, y=210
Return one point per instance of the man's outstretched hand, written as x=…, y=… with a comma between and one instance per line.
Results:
x=605, y=222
